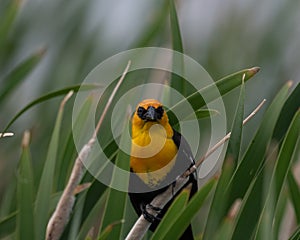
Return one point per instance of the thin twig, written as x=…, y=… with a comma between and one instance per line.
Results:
x=110, y=99
x=61, y=215
x=224, y=139
x=141, y=225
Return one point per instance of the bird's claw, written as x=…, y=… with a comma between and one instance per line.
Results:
x=148, y=216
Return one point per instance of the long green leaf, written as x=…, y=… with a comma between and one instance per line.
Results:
x=254, y=156
x=49, y=96
x=92, y=218
x=249, y=171
x=106, y=232
x=42, y=206
x=182, y=221
x=25, y=189
x=247, y=217
x=6, y=22
x=286, y=153
x=175, y=29
x=17, y=75
x=295, y=194
x=288, y=111
x=218, y=206
x=280, y=213
x=224, y=232
x=64, y=162
x=8, y=199
x=174, y=211
x=157, y=25
x=116, y=200
x=224, y=86
x=281, y=170
x=76, y=218
x=8, y=225
x=177, y=81
x=200, y=114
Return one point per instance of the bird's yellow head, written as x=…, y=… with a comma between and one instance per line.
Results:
x=149, y=112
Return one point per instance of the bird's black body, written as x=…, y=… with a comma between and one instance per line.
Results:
x=184, y=160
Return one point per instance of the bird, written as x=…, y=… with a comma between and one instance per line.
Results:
x=159, y=154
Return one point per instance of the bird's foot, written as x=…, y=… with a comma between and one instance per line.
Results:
x=149, y=216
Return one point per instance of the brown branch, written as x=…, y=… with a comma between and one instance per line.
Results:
x=61, y=215
x=141, y=225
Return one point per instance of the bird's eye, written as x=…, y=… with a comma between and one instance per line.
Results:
x=140, y=111
x=160, y=112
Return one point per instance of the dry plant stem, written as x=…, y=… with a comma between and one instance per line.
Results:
x=61, y=215
x=141, y=225
x=223, y=140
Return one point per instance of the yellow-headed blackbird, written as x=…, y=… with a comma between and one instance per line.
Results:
x=159, y=154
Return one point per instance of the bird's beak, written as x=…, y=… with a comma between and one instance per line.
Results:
x=150, y=115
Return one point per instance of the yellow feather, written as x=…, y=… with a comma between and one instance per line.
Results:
x=153, y=151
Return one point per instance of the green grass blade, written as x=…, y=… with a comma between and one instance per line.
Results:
x=224, y=85
x=8, y=225
x=65, y=161
x=106, y=232
x=174, y=211
x=45, y=188
x=289, y=110
x=175, y=29
x=8, y=199
x=225, y=230
x=286, y=153
x=49, y=96
x=280, y=212
x=15, y=77
x=177, y=81
x=281, y=170
x=184, y=219
x=254, y=156
x=248, y=217
x=249, y=172
x=94, y=193
x=25, y=193
x=234, y=145
x=218, y=206
x=6, y=22
x=217, y=209
x=76, y=217
x=152, y=31
x=92, y=218
x=200, y=114
x=294, y=194
x=116, y=200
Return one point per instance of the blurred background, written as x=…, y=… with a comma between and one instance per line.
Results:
x=75, y=36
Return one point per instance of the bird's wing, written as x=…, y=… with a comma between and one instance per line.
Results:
x=185, y=158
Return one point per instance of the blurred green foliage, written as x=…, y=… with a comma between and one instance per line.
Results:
x=48, y=46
